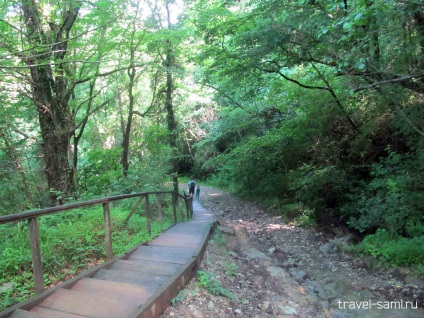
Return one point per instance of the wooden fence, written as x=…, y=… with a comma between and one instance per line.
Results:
x=34, y=236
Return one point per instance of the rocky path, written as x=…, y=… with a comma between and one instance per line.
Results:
x=275, y=270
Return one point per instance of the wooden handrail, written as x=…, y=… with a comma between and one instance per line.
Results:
x=35, y=213
x=34, y=235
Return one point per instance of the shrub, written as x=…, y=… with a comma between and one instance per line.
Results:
x=322, y=189
x=394, y=250
x=392, y=199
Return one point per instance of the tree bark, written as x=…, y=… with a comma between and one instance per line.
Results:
x=51, y=95
x=172, y=126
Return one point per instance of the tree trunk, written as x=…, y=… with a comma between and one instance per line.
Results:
x=51, y=95
x=170, y=117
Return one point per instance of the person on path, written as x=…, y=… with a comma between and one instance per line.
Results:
x=191, y=187
x=197, y=192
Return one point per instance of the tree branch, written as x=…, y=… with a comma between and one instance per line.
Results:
x=229, y=97
x=288, y=78
x=391, y=81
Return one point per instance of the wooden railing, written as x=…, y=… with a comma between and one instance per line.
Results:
x=34, y=236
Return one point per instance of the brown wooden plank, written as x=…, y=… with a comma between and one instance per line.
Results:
x=131, y=293
x=132, y=277
x=146, y=266
x=19, y=313
x=186, y=229
x=176, y=240
x=85, y=304
x=163, y=254
x=50, y=313
x=108, y=231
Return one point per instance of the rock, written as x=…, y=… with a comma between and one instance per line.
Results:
x=290, y=262
x=344, y=264
x=343, y=239
x=289, y=310
x=227, y=230
x=325, y=304
x=237, y=311
x=297, y=273
x=276, y=271
x=315, y=288
x=327, y=247
x=311, y=237
x=211, y=305
x=258, y=280
x=7, y=286
x=264, y=306
x=195, y=313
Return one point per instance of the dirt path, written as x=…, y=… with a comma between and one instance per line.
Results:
x=275, y=270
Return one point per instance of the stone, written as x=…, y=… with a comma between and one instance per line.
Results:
x=289, y=262
x=227, y=230
x=211, y=305
x=343, y=239
x=195, y=312
x=327, y=247
x=297, y=273
x=264, y=306
x=276, y=271
x=7, y=286
x=289, y=310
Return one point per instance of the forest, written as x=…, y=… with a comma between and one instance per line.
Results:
x=313, y=108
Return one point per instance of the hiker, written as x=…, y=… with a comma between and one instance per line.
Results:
x=197, y=192
x=191, y=187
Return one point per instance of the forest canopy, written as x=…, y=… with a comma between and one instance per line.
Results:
x=314, y=106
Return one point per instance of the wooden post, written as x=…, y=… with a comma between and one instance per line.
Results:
x=180, y=205
x=37, y=265
x=188, y=200
x=174, y=206
x=191, y=209
x=160, y=212
x=108, y=231
x=148, y=218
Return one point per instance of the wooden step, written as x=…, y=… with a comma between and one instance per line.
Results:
x=134, y=294
x=50, y=313
x=189, y=229
x=146, y=266
x=19, y=313
x=86, y=304
x=176, y=240
x=149, y=281
x=163, y=254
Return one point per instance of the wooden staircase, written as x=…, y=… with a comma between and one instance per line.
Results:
x=139, y=284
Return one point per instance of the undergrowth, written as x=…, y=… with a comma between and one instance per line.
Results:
x=209, y=282
x=394, y=250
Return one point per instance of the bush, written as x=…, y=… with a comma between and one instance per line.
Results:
x=393, y=198
x=321, y=189
x=394, y=250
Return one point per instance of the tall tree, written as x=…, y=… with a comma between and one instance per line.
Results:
x=170, y=118
x=45, y=56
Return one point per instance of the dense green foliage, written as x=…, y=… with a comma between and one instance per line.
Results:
x=321, y=107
